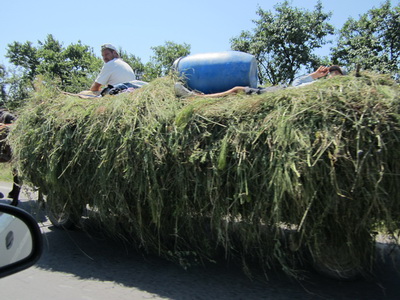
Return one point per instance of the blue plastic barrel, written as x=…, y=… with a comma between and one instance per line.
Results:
x=217, y=72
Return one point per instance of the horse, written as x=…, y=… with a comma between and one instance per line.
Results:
x=6, y=120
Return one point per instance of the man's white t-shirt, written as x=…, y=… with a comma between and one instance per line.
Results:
x=114, y=72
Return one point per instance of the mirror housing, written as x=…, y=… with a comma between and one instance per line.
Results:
x=21, y=241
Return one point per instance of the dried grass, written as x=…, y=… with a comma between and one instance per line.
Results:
x=187, y=178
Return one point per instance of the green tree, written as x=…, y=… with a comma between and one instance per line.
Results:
x=152, y=71
x=80, y=67
x=134, y=61
x=19, y=87
x=25, y=57
x=164, y=56
x=72, y=68
x=3, y=76
x=372, y=41
x=284, y=42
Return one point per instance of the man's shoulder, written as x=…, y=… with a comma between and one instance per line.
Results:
x=117, y=61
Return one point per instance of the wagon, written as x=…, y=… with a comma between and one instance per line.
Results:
x=280, y=179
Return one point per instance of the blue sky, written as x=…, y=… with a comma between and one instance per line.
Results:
x=136, y=26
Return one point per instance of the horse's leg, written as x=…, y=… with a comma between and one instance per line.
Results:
x=41, y=199
x=14, y=194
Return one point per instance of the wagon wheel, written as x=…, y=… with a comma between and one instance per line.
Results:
x=339, y=260
x=62, y=215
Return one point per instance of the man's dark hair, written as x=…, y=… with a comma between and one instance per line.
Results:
x=336, y=68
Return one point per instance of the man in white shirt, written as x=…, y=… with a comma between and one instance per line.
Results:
x=114, y=71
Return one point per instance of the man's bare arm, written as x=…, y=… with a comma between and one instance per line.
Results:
x=95, y=87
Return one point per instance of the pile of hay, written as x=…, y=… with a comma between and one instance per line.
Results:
x=258, y=177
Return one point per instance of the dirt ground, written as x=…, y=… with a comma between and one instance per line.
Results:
x=86, y=265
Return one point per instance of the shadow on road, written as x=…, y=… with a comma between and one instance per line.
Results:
x=88, y=255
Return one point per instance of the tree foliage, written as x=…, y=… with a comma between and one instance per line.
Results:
x=73, y=67
x=164, y=56
x=285, y=41
x=24, y=56
x=372, y=42
x=3, y=75
x=17, y=89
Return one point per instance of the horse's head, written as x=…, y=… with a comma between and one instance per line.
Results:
x=5, y=150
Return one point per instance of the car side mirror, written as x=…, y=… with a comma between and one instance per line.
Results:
x=21, y=242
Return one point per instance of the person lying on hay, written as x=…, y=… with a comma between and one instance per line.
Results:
x=182, y=91
x=322, y=71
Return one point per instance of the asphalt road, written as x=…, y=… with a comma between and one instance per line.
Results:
x=86, y=265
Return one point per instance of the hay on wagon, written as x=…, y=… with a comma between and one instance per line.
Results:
x=189, y=178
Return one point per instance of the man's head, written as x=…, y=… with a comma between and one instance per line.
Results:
x=335, y=71
x=108, y=52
